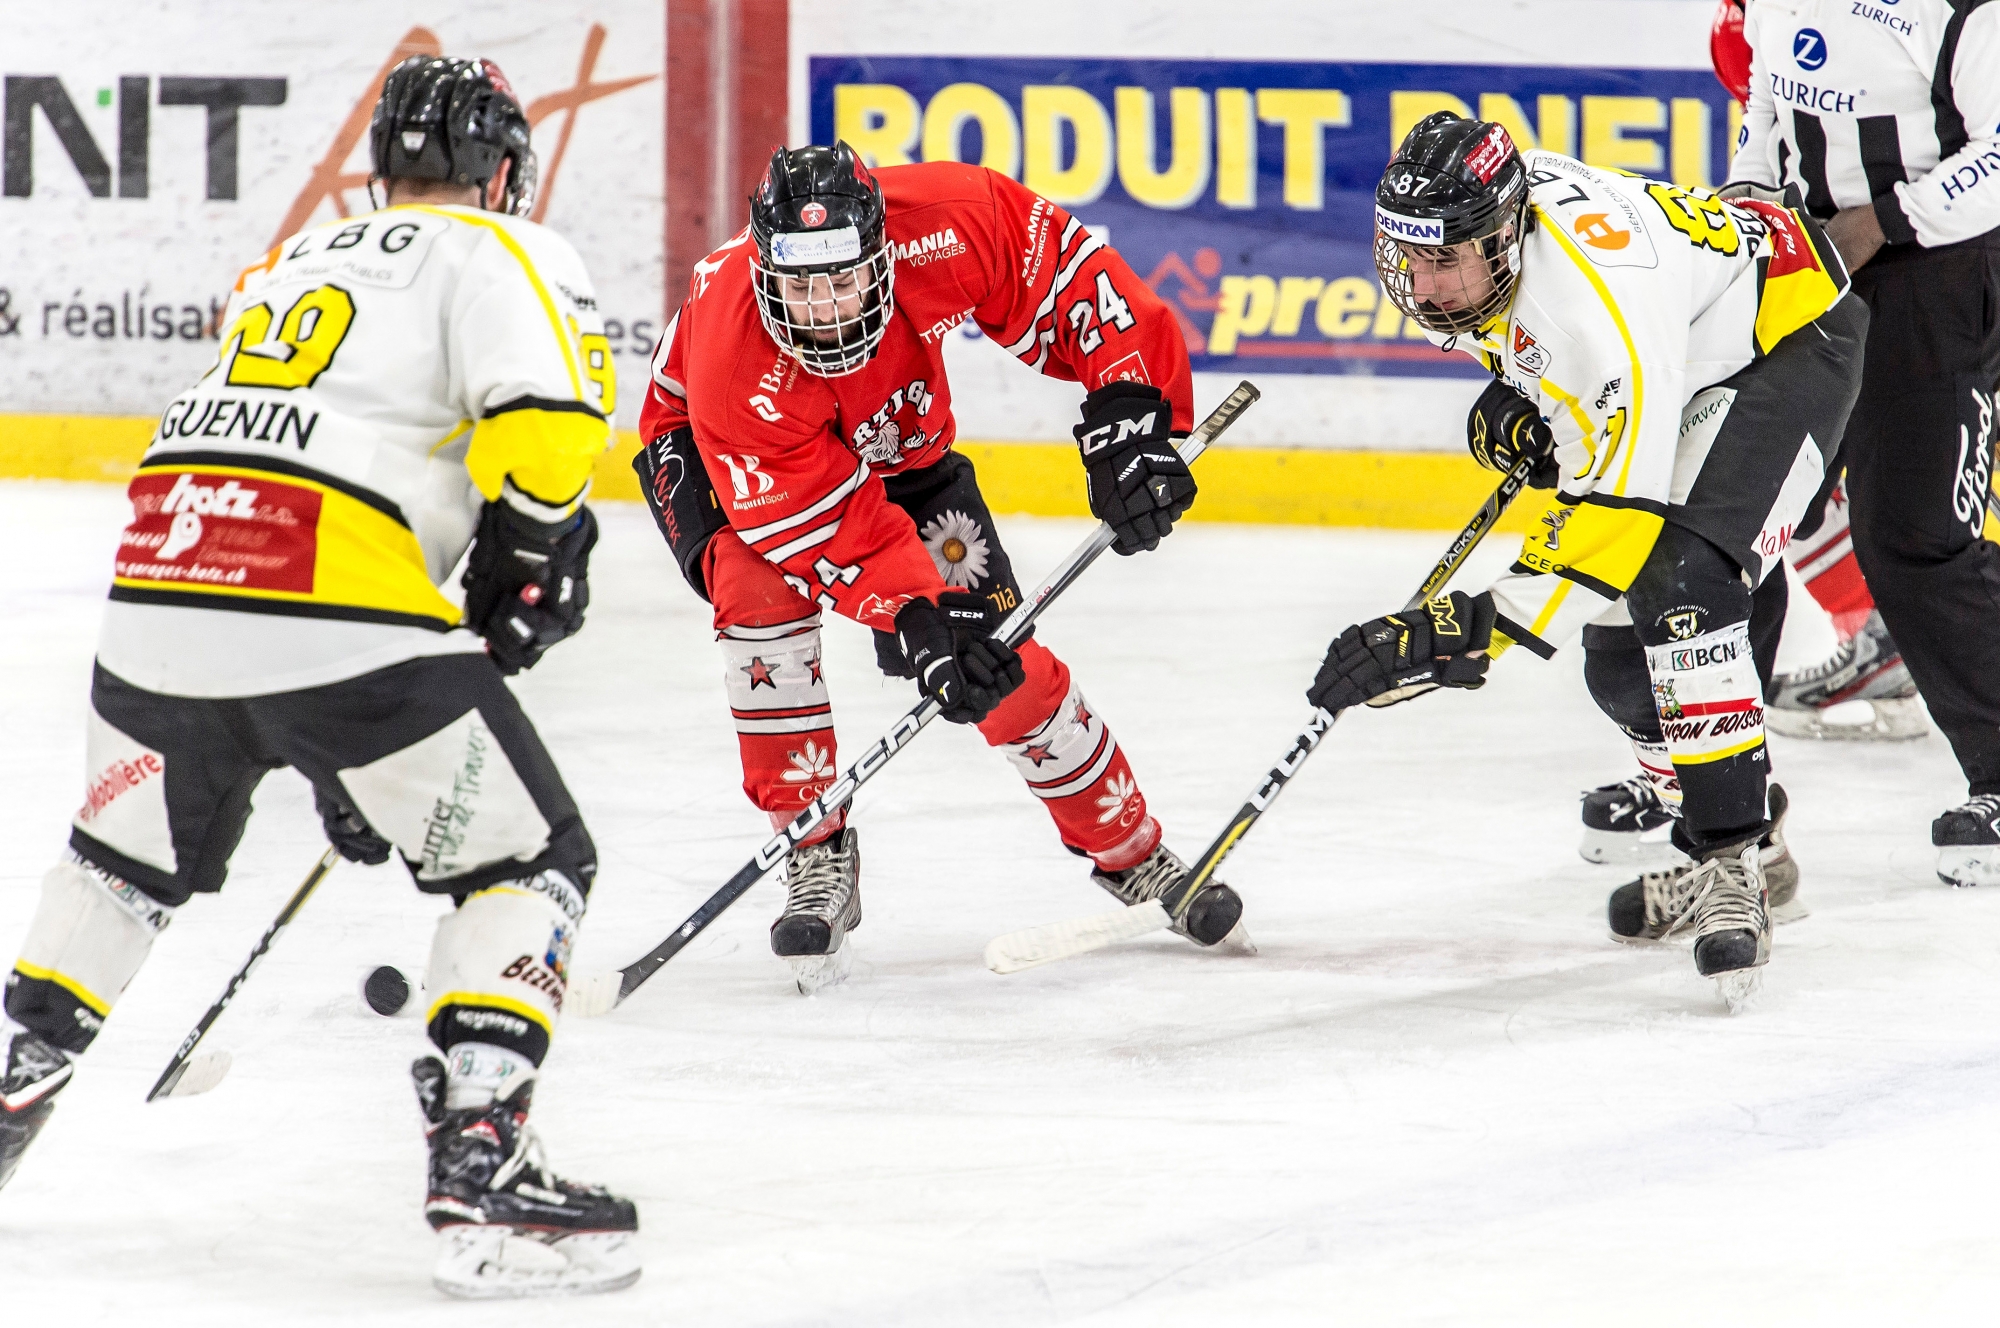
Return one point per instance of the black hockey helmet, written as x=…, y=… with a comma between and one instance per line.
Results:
x=825, y=273
x=453, y=120
x=1453, y=181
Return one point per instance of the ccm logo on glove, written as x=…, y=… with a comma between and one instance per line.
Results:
x=1139, y=485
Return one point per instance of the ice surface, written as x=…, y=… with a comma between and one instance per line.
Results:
x=1438, y=1096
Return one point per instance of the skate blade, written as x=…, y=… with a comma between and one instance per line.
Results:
x=1609, y=848
x=1968, y=866
x=1890, y=719
x=1792, y=910
x=1739, y=987
x=815, y=973
x=499, y=1263
x=1238, y=942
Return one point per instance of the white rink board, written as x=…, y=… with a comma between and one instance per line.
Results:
x=1438, y=1096
x=178, y=250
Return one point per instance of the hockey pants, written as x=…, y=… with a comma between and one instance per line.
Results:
x=435, y=755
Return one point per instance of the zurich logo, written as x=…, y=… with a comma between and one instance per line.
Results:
x=1809, y=49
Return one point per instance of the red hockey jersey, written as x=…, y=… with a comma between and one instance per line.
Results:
x=791, y=454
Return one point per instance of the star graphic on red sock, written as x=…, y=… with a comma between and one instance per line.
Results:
x=812, y=666
x=760, y=674
x=1083, y=716
x=1037, y=753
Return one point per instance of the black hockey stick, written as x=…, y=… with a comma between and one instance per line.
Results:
x=1060, y=940
x=187, y=1074
x=600, y=993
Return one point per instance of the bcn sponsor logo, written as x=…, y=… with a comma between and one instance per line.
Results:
x=1064, y=143
x=1700, y=657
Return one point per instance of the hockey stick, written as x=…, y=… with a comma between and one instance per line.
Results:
x=600, y=993
x=187, y=1074
x=1061, y=940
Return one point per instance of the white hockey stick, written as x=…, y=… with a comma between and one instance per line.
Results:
x=1062, y=940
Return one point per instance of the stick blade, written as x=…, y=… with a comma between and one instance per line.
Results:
x=197, y=1075
x=594, y=995
x=1064, y=940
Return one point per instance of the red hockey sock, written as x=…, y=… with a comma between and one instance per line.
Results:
x=1071, y=762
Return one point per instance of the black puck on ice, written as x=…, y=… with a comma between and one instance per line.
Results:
x=386, y=990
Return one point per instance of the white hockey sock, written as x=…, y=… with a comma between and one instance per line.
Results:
x=478, y=1073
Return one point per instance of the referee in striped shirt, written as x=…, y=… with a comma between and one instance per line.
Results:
x=1885, y=116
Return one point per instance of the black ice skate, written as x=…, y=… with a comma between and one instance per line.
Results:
x=1626, y=822
x=1867, y=667
x=31, y=1074
x=1732, y=919
x=1968, y=842
x=1659, y=903
x=511, y=1227
x=822, y=904
x=1214, y=915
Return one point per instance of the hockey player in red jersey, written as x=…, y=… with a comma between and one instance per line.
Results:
x=800, y=459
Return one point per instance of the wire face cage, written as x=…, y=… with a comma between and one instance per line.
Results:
x=830, y=318
x=1497, y=256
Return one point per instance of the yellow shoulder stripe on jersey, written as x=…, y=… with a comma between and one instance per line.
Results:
x=90, y=998
x=363, y=559
x=549, y=451
x=513, y=247
x=1589, y=270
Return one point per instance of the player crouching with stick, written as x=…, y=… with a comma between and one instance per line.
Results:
x=1684, y=369
x=801, y=461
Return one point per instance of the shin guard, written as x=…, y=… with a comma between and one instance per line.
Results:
x=500, y=966
x=1711, y=706
x=1071, y=761
x=783, y=715
x=91, y=932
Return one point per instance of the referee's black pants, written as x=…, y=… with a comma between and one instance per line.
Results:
x=1919, y=456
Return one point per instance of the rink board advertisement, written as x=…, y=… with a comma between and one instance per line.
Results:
x=1242, y=191
x=148, y=162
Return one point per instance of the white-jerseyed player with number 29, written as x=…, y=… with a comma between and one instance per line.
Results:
x=390, y=390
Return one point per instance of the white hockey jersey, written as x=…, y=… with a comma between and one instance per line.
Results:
x=1894, y=102
x=1634, y=295
x=379, y=378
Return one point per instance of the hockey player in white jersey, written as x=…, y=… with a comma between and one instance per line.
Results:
x=390, y=389
x=1682, y=369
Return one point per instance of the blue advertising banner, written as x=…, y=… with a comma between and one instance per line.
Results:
x=1243, y=191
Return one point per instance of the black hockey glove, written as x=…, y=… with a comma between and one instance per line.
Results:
x=348, y=830
x=526, y=583
x=955, y=657
x=1441, y=643
x=1504, y=426
x=1139, y=486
